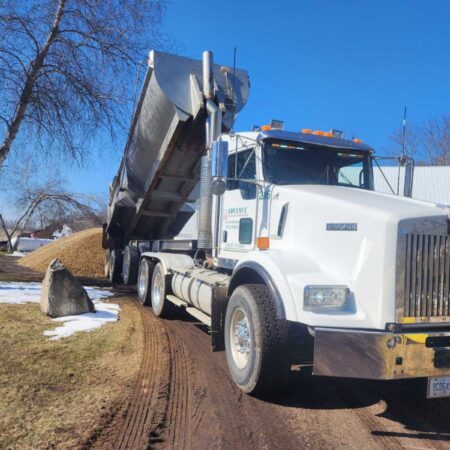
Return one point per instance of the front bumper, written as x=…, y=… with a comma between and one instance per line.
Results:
x=380, y=355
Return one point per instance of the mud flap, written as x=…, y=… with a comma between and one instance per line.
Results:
x=218, y=310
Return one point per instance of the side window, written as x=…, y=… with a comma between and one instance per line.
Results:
x=245, y=231
x=232, y=183
x=242, y=167
x=351, y=174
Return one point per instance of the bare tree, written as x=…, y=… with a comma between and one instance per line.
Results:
x=47, y=198
x=66, y=65
x=412, y=141
x=427, y=143
x=436, y=140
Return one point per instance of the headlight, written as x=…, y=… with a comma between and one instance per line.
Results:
x=318, y=297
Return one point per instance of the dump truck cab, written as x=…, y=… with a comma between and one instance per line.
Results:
x=365, y=269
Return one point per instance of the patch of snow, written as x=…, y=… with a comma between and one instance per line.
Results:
x=96, y=293
x=16, y=253
x=19, y=293
x=105, y=312
x=30, y=292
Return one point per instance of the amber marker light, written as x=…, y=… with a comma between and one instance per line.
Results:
x=358, y=141
x=266, y=127
x=263, y=243
x=306, y=131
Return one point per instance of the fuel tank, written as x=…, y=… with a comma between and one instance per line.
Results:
x=199, y=287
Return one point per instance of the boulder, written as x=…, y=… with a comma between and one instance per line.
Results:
x=62, y=294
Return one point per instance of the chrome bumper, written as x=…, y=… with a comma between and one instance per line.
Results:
x=380, y=355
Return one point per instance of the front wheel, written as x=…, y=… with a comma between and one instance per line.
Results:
x=255, y=341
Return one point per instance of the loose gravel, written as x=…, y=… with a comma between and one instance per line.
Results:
x=81, y=253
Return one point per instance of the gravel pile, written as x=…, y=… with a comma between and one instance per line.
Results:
x=81, y=253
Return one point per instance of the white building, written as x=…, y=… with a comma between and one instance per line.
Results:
x=430, y=183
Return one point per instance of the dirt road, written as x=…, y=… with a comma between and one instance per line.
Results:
x=184, y=399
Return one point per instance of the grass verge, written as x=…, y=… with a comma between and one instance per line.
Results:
x=57, y=394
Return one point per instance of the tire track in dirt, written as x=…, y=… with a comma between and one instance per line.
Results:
x=217, y=418
x=137, y=421
x=177, y=420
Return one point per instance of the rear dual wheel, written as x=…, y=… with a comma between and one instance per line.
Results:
x=115, y=266
x=130, y=265
x=107, y=258
x=153, y=287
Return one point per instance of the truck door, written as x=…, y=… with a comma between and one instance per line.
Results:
x=239, y=207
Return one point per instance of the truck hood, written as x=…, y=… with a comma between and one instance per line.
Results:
x=362, y=202
x=333, y=235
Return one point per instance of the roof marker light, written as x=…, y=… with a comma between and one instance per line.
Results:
x=319, y=132
x=266, y=127
x=357, y=141
x=306, y=131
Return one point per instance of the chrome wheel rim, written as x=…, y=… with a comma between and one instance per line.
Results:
x=157, y=289
x=240, y=340
x=143, y=279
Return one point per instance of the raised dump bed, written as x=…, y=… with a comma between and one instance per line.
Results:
x=161, y=164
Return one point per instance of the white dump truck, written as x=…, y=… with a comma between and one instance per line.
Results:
x=296, y=259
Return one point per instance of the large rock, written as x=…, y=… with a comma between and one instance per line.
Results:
x=62, y=294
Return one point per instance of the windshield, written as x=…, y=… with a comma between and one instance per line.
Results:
x=296, y=163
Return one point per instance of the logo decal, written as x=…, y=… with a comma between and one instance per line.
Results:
x=342, y=227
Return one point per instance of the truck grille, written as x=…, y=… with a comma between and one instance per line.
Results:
x=426, y=278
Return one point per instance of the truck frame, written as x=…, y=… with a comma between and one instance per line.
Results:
x=296, y=259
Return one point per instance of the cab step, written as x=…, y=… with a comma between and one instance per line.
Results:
x=201, y=316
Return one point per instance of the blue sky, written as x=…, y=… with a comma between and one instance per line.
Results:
x=349, y=64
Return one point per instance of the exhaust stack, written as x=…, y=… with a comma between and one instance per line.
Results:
x=213, y=130
x=208, y=75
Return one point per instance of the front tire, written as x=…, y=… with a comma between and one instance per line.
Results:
x=255, y=341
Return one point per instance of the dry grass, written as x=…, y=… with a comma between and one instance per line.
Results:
x=57, y=394
x=81, y=253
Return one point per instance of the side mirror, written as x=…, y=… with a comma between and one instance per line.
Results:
x=408, y=164
x=219, y=167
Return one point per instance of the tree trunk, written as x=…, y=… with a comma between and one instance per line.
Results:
x=35, y=67
x=8, y=235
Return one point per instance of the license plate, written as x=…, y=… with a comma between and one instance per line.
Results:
x=438, y=387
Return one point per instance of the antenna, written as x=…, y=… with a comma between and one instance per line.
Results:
x=404, y=134
x=403, y=157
